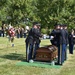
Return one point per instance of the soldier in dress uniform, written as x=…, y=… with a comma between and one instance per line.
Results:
x=63, y=43
x=37, y=40
x=67, y=41
x=71, y=41
x=56, y=40
x=31, y=41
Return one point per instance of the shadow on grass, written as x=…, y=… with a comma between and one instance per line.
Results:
x=14, y=56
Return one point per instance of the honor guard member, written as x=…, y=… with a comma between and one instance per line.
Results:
x=30, y=41
x=71, y=41
x=54, y=35
x=63, y=43
x=37, y=40
x=56, y=40
x=66, y=31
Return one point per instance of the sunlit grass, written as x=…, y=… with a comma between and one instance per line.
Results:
x=9, y=56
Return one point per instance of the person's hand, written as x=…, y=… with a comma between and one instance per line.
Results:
x=51, y=37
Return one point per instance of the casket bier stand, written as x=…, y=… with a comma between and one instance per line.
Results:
x=47, y=53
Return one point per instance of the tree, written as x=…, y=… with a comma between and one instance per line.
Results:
x=51, y=12
x=48, y=12
x=20, y=10
x=2, y=10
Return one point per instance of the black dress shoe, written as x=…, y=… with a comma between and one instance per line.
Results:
x=58, y=64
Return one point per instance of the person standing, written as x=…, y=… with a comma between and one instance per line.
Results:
x=63, y=43
x=0, y=31
x=71, y=41
x=3, y=29
x=18, y=32
x=55, y=34
x=30, y=41
x=66, y=31
x=11, y=33
x=37, y=36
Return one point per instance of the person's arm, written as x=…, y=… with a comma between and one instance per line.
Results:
x=37, y=33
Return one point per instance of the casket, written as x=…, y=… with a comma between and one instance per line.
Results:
x=47, y=53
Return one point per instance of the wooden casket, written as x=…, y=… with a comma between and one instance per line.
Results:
x=47, y=53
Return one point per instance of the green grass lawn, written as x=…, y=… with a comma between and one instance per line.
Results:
x=9, y=56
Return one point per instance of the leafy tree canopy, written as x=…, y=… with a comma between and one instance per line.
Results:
x=48, y=12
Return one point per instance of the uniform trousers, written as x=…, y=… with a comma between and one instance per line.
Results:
x=59, y=55
x=36, y=46
x=63, y=51
x=29, y=51
x=71, y=46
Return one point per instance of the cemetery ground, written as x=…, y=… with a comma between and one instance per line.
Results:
x=9, y=56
